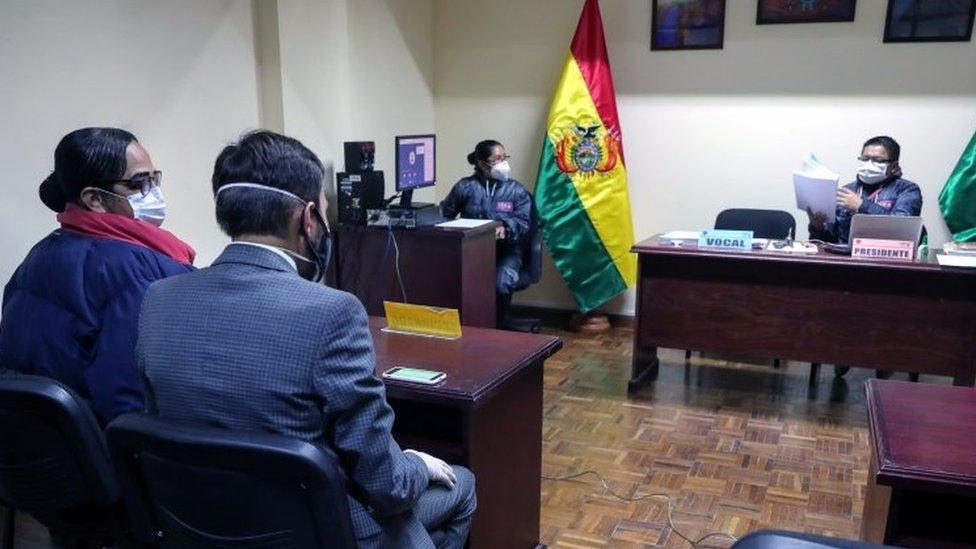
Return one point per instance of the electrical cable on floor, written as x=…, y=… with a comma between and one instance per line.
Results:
x=640, y=497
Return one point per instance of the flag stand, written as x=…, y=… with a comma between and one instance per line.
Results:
x=590, y=323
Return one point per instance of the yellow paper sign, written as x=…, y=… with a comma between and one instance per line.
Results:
x=422, y=320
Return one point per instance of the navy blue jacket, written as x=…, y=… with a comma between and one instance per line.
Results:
x=70, y=313
x=895, y=196
x=505, y=201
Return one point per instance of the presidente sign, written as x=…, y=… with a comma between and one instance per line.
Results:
x=725, y=240
x=875, y=248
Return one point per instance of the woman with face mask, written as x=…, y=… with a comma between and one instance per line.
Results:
x=71, y=309
x=491, y=193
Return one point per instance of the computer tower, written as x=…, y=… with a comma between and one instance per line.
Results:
x=358, y=192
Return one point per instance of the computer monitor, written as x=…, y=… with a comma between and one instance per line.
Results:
x=887, y=227
x=415, y=165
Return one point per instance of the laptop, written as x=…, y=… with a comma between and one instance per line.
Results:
x=884, y=227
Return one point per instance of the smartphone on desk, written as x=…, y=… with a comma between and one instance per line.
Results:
x=414, y=375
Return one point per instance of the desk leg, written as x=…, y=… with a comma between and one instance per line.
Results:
x=644, y=367
x=504, y=448
x=877, y=501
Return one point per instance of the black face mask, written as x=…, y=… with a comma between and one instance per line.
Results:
x=320, y=253
x=313, y=268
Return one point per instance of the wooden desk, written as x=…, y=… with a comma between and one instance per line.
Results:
x=823, y=308
x=441, y=267
x=487, y=415
x=922, y=482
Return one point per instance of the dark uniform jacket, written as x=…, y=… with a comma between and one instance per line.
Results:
x=505, y=201
x=894, y=196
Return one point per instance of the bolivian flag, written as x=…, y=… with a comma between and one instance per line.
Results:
x=581, y=190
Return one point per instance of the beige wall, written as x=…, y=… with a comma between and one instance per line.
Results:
x=188, y=76
x=179, y=74
x=705, y=130
x=356, y=70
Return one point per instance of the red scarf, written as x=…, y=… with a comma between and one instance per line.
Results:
x=118, y=227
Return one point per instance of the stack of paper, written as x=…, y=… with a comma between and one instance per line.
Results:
x=960, y=248
x=956, y=260
x=464, y=223
x=816, y=187
x=679, y=238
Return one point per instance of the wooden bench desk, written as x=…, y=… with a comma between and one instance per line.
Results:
x=486, y=415
x=821, y=308
x=922, y=482
x=441, y=267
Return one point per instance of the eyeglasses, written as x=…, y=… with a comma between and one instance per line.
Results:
x=142, y=182
x=497, y=159
x=863, y=158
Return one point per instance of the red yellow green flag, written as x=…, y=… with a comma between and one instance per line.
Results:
x=581, y=190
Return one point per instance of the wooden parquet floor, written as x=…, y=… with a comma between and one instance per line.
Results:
x=738, y=445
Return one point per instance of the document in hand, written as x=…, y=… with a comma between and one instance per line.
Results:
x=816, y=187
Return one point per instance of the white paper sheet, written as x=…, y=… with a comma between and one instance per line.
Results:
x=816, y=188
x=946, y=260
x=464, y=223
x=681, y=235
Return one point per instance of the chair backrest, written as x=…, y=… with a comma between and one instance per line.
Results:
x=191, y=487
x=53, y=454
x=762, y=223
x=531, y=271
x=778, y=539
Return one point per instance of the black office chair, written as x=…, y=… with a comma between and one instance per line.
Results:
x=777, y=539
x=763, y=223
x=773, y=224
x=197, y=487
x=530, y=274
x=54, y=463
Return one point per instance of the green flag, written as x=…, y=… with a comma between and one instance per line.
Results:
x=958, y=198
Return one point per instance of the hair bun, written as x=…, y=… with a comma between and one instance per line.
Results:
x=51, y=193
x=472, y=158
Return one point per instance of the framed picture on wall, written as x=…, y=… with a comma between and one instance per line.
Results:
x=929, y=20
x=775, y=12
x=687, y=24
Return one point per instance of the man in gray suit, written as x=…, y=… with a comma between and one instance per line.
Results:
x=256, y=342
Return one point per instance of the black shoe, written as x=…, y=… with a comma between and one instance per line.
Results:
x=841, y=371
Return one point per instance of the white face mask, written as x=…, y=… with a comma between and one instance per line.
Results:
x=871, y=172
x=501, y=171
x=150, y=207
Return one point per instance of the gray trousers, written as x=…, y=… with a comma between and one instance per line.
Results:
x=440, y=519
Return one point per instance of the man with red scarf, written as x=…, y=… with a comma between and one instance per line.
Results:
x=71, y=310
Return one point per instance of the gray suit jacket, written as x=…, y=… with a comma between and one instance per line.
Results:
x=247, y=344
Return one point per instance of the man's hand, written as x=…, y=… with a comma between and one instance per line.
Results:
x=500, y=232
x=437, y=470
x=848, y=200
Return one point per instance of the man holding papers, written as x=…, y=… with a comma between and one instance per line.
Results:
x=878, y=190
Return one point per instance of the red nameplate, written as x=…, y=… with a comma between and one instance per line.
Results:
x=894, y=250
